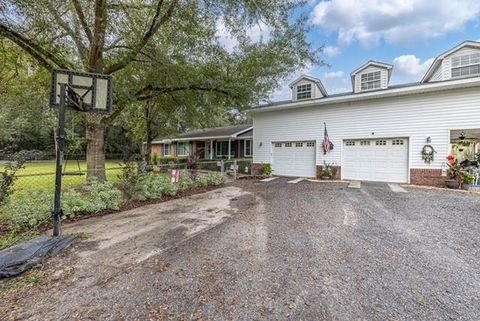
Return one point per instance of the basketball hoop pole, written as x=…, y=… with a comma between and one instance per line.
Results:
x=57, y=209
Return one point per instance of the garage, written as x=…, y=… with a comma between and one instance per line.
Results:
x=296, y=158
x=381, y=160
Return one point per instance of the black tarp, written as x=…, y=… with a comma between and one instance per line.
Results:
x=22, y=257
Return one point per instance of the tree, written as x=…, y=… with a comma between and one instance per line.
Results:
x=162, y=47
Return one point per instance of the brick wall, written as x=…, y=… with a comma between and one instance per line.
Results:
x=430, y=177
x=338, y=174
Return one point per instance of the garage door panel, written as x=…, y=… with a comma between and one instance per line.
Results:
x=296, y=160
x=376, y=160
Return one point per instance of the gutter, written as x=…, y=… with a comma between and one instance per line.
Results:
x=419, y=89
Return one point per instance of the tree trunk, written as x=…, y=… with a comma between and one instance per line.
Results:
x=95, y=132
x=148, y=147
x=148, y=132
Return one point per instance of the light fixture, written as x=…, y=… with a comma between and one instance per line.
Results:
x=462, y=136
x=260, y=144
x=429, y=139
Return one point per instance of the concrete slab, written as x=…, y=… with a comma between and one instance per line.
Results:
x=396, y=188
x=266, y=180
x=295, y=181
x=355, y=184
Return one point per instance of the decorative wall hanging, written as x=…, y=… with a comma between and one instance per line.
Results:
x=427, y=153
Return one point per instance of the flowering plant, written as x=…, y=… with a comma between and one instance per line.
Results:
x=453, y=167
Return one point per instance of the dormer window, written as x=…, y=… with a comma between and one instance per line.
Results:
x=371, y=80
x=466, y=65
x=304, y=91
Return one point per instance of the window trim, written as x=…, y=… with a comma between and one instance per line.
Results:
x=183, y=144
x=373, y=81
x=250, y=141
x=308, y=91
x=217, y=149
x=169, y=150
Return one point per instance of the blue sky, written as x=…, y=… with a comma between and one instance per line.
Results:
x=406, y=33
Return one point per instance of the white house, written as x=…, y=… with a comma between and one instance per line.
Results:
x=380, y=132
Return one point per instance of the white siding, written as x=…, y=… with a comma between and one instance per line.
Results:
x=383, y=77
x=415, y=117
x=316, y=93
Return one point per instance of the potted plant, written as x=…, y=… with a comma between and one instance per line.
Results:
x=467, y=180
x=454, y=172
x=328, y=171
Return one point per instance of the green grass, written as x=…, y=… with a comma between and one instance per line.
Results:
x=41, y=175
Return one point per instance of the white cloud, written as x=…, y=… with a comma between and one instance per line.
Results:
x=331, y=51
x=333, y=74
x=412, y=66
x=257, y=33
x=394, y=21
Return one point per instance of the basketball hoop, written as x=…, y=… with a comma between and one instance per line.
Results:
x=81, y=91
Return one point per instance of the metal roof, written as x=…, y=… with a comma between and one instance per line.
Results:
x=217, y=132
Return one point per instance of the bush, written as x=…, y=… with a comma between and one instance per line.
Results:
x=155, y=159
x=29, y=209
x=185, y=181
x=98, y=197
x=211, y=179
x=266, y=169
x=154, y=185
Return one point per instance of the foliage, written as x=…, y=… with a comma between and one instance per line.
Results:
x=454, y=169
x=211, y=179
x=29, y=209
x=185, y=182
x=266, y=169
x=153, y=185
x=155, y=159
x=172, y=160
x=92, y=199
x=129, y=179
x=328, y=170
x=8, y=175
x=192, y=165
x=467, y=178
x=477, y=157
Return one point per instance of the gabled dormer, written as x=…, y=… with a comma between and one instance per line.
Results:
x=463, y=61
x=307, y=87
x=372, y=75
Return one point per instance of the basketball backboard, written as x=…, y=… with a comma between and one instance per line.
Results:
x=89, y=92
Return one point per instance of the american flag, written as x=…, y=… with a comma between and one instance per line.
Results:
x=327, y=144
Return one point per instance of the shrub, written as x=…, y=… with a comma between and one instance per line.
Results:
x=29, y=209
x=154, y=185
x=211, y=179
x=129, y=179
x=99, y=197
x=155, y=159
x=185, y=181
x=266, y=169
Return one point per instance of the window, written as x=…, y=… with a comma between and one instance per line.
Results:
x=183, y=149
x=298, y=144
x=222, y=148
x=166, y=150
x=304, y=91
x=247, y=151
x=466, y=65
x=365, y=143
x=370, y=80
x=278, y=144
x=310, y=144
x=380, y=142
x=288, y=144
x=350, y=143
x=397, y=142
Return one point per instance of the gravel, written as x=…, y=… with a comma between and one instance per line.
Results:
x=306, y=251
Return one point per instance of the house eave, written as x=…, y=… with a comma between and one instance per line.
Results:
x=380, y=94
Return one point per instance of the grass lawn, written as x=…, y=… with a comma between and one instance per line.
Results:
x=41, y=174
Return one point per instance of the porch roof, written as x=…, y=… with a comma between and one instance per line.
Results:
x=208, y=133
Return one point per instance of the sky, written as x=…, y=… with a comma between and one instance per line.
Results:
x=408, y=34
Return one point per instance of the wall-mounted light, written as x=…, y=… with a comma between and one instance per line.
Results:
x=260, y=144
x=429, y=139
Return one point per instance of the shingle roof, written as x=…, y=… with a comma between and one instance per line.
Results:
x=225, y=131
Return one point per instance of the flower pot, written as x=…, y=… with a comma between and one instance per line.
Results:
x=325, y=178
x=452, y=184
x=466, y=186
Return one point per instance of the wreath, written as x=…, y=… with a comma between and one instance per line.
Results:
x=427, y=153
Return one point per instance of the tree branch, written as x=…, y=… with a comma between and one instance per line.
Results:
x=44, y=58
x=157, y=22
x=82, y=19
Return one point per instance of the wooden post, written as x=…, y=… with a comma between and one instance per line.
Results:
x=229, y=148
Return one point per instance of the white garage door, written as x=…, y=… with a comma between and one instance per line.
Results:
x=294, y=159
x=383, y=160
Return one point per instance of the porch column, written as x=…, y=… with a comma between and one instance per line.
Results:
x=229, y=148
x=211, y=150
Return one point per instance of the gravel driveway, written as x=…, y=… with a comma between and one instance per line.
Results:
x=306, y=251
